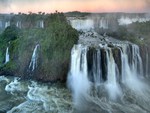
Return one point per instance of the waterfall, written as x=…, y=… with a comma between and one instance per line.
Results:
x=7, y=24
x=41, y=24
x=103, y=23
x=127, y=20
x=7, y=55
x=82, y=24
x=96, y=67
x=1, y=24
x=18, y=24
x=131, y=72
x=78, y=73
x=97, y=70
x=33, y=62
x=112, y=73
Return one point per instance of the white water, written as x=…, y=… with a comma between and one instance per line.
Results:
x=15, y=86
x=41, y=24
x=78, y=73
x=88, y=24
x=7, y=55
x=21, y=96
x=103, y=23
x=111, y=83
x=82, y=24
x=96, y=68
x=103, y=95
x=127, y=20
x=33, y=62
x=7, y=24
x=1, y=24
x=18, y=24
x=3, y=78
x=130, y=72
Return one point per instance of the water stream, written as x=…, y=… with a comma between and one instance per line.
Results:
x=7, y=55
x=33, y=62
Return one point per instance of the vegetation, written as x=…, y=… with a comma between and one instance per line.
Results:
x=138, y=33
x=55, y=40
x=77, y=14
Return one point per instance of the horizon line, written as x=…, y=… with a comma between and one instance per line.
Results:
x=28, y=12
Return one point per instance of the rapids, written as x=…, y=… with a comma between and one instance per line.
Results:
x=21, y=96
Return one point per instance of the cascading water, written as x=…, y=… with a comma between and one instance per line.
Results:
x=82, y=24
x=78, y=73
x=1, y=24
x=7, y=55
x=127, y=20
x=95, y=79
x=7, y=24
x=41, y=24
x=112, y=73
x=18, y=24
x=103, y=23
x=33, y=62
x=131, y=70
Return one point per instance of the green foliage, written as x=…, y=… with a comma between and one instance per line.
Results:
x=57, y=44
x=56, y=41
x=10, y=67
x=77, y=14
x=133, y=33
x=10, y=34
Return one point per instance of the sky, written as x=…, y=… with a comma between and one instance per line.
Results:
x=49, y=6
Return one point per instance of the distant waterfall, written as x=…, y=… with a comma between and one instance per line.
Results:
x=41, y=24
x=33, y=62
x=103, y=23
x=18, y=24
x=7, y=55
x=81, y=24
x=7, y=24
x=127, y=20
x=1, y=24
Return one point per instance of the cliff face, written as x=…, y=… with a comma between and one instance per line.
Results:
x=99, y=48
x=121, y=27
x=42, y=54
x=145, y=54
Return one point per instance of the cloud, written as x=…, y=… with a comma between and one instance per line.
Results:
x=69, y=5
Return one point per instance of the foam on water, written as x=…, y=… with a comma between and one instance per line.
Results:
x=15, y=86
x=3, y=78
x=36, y=97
